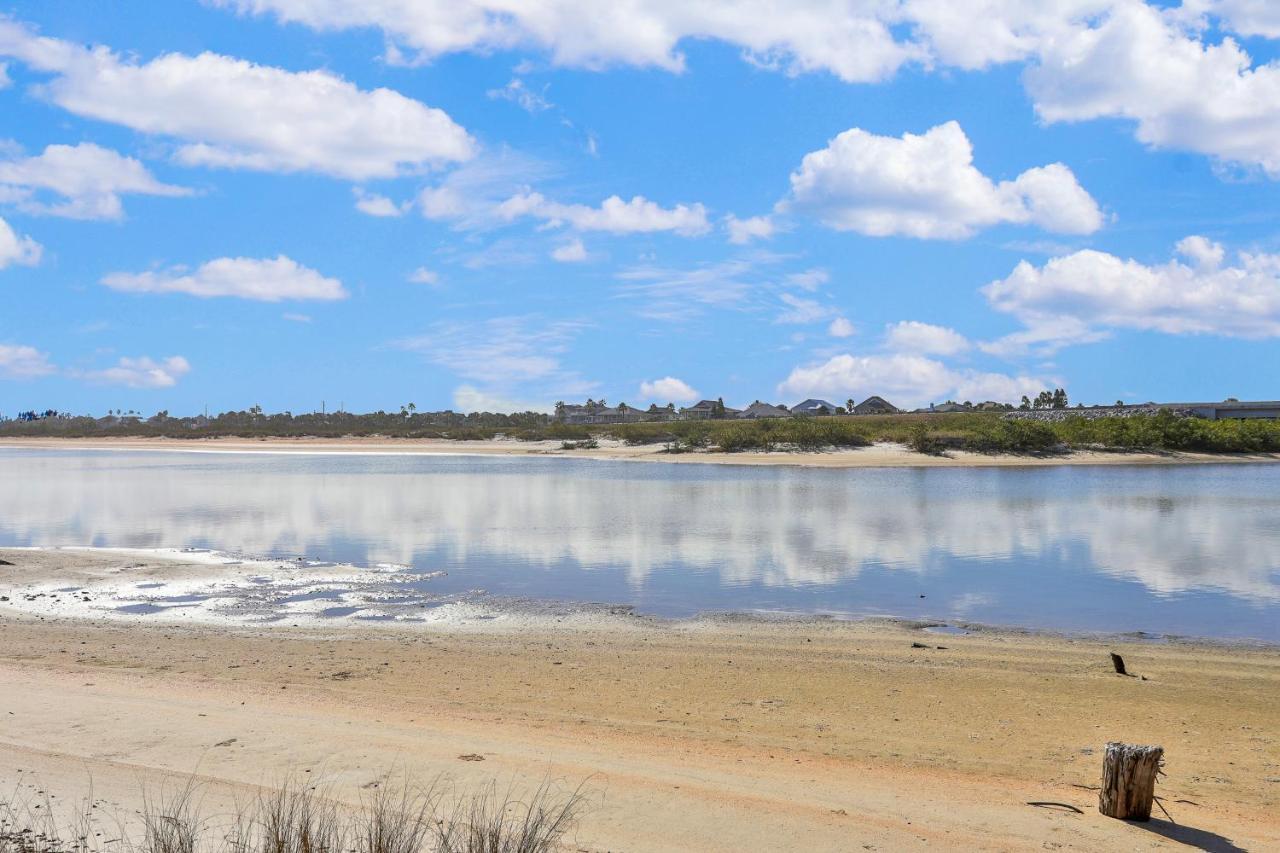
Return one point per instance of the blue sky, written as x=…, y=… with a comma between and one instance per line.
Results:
x=486, y=205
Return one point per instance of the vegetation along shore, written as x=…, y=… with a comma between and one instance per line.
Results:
x=926, y=433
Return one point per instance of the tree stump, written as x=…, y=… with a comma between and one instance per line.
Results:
x=1129, y=780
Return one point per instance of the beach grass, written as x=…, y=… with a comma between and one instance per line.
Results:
x=397, y=816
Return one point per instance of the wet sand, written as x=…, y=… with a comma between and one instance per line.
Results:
x=717, y=734
x=883, y=455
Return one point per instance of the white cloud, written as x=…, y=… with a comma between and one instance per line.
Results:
x=88, y=179
x=908, y=380
x=926, y=186
x=501, y=351
x=23, y=362
x=232, y=113
x=264, y=280
x=5, y=82
x=1139, y=63
x=841, y=328
x=800, y=310
x=637, y=216
x=373, y=204
x=844, y=38
x=17, y=250
x=571, y=252
x=1085, y=293
x=521, y=95
x=142, y=372
x=926, y=339
x=668, y=389
x=470, y=194
x=679, y=294
x=1246, y=17
x=742, y=231
x=809, y=279
x=468, y=398
x=1086, y=58
x=422, y=275
x=297, y=318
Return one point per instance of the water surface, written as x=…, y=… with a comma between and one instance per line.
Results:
x=1191, y=550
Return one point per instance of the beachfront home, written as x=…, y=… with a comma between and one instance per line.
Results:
x=763, y=410
x=705, y=410
x=816, y=407
x=874, y=405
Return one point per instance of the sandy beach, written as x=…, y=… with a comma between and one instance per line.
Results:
x=882, y=455
x=718, y=734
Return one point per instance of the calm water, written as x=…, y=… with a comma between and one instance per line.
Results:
x=1171, y=550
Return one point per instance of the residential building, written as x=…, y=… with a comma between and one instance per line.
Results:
x=816, y=407
x=874, y=405
x=763, y=410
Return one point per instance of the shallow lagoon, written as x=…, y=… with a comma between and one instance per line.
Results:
x=1189, y=550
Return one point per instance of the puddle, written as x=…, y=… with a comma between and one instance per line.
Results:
x=953, y=630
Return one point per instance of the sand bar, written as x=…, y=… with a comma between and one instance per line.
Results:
x=722, y=734
x=882, y=455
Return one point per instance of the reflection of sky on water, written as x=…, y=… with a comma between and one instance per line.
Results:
x=1192, y=549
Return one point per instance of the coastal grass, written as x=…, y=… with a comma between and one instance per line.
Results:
x=397, y=817
x=983, y=432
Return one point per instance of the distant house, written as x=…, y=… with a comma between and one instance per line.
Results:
x=944, y=408
x=816, y=407
x=705, y=410
x=763, y=410
x=875, y=406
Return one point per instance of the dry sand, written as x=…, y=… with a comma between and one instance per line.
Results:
x=704, y=735
x=883, y=455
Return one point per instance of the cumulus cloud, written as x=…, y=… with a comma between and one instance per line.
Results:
x=845, y=38
x=142, y=372
x=263, y=280
x=23, y=362
x=926, y=186
x=227, y=112
x=908, y=380
x=926, y=339
x=1246, y=17
x=637, y=216
x=5, y=82
x=87, y=178
x=742, y=231
x=668, y=389
x=373, y=204
x=1080, y=296
x=15, y=249
x=571, y=252
x=1086, y=59
x=1141, y=63
x=841, y=328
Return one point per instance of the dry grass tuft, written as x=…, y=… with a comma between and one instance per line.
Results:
x=293, y=818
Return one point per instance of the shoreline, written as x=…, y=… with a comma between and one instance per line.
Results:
x=728, y=733
x=230, y=591
x=883, y=455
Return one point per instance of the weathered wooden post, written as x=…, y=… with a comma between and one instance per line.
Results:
x=1129, y=780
